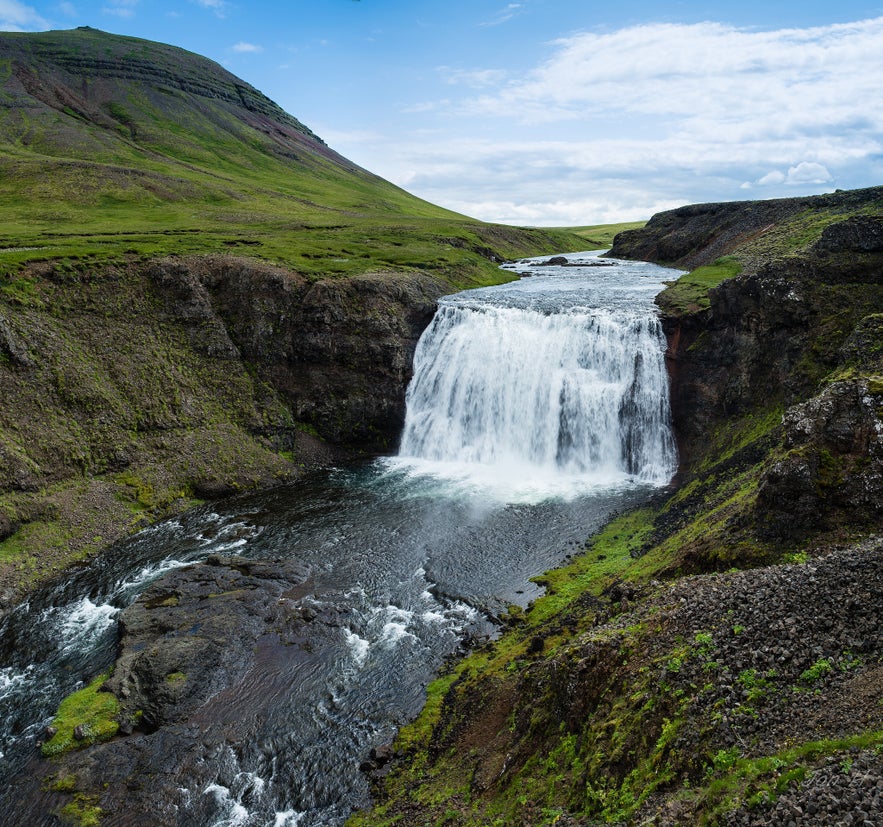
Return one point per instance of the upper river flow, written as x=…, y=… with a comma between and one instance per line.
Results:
x=537, y=410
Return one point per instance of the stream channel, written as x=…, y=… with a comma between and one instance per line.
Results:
x=538, y=409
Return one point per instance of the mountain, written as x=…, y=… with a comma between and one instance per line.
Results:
x=116, y=142
x=197, y=295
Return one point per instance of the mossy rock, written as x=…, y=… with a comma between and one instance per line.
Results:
x=89, y=713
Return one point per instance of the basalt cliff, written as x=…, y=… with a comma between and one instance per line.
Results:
x=716, y=657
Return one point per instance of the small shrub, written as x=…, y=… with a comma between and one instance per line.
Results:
x=817, y=671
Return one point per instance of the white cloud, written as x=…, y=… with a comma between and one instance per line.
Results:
x=772, y=178
x=67, y=9
x=247, y=47
x=121, y=8
x=219, y=7
x=16, y=17
x=653, y=114
x=807, y=172
x=505, y=14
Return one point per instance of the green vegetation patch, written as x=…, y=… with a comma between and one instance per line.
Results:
x=600, y=236
x=689, y=294
x=753, y=781
x=82, y=811
x=92, y=711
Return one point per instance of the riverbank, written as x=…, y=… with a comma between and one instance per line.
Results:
x=197, y=295
x=247, y=667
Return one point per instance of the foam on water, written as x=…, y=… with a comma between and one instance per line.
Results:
x=358, y=647
x=288, y=818
x=235, y=815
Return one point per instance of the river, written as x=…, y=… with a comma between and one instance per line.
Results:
x=537, y=410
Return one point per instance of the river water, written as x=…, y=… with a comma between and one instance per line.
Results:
x=537, y=410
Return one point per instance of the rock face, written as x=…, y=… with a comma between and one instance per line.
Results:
x=338, y=353
x=832, y=472
x=700, y=233
x=796, y=336
x=143, y=385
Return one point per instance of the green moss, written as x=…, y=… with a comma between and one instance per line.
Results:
x=95, y=711
x=689, y=294
x=748, y=781
x=83, y=811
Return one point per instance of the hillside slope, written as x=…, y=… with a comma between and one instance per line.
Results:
x=714, y=659
x=112, y=144
x=197, y=295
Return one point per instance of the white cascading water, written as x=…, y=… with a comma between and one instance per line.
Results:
x=580, y=392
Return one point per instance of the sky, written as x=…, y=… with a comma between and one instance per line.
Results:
x=550, y=112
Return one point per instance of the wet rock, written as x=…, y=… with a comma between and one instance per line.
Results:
x=213, y=489
x=378, y=758
x=189, y=645
x=193, y=633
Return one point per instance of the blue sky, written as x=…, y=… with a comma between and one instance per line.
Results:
x=550, y=112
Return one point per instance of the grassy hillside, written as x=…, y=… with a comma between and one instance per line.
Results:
x=600, y=236
x=115, y=146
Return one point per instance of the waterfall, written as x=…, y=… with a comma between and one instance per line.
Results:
x=580, y=392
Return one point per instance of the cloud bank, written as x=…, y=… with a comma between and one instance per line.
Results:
x=613, y=125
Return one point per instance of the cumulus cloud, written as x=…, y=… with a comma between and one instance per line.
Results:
x=17, y=17
x=772, y=178
x=705, y=72
x=654, y=113
x=807, y=172
x=244, y=47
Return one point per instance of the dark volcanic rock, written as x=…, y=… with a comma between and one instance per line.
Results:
x=698, y=234
x=338, y=352
x=833, y=470
x=859, y=234
x=739, y=354
x=194, y=633
x=190, y=644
